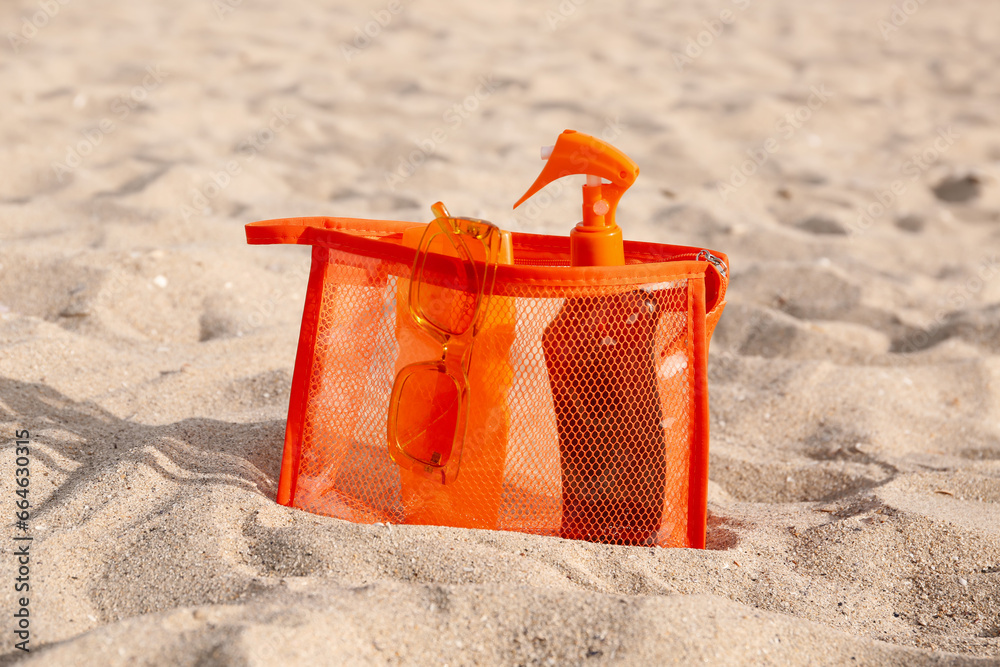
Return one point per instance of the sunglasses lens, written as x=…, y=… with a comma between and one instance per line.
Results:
x=448, y=293
x=429, y=405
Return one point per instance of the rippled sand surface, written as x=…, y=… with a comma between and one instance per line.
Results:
x=845, y=155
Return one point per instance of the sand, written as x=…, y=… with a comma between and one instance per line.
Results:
x=845, y=155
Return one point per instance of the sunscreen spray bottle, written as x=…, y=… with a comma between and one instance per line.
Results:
x=601, y=365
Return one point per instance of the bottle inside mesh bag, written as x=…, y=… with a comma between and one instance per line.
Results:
x=599, y=353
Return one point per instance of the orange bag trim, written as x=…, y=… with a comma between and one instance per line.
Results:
x=698, y=466
x=301, y=375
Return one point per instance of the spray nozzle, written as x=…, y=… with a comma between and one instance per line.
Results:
x=596, y=240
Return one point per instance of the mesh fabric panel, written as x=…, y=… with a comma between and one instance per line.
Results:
x=580, y=408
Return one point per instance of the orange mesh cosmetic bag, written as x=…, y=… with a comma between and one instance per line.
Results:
x=455, y=374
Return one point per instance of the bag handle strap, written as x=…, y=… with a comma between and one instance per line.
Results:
x=365, y=232
x=306, y=231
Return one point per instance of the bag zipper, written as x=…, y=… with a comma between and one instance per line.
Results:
x=719, y=264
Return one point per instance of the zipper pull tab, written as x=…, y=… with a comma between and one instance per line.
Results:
x=705, y=255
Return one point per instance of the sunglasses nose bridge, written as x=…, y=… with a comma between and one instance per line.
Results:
x=455, y=354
